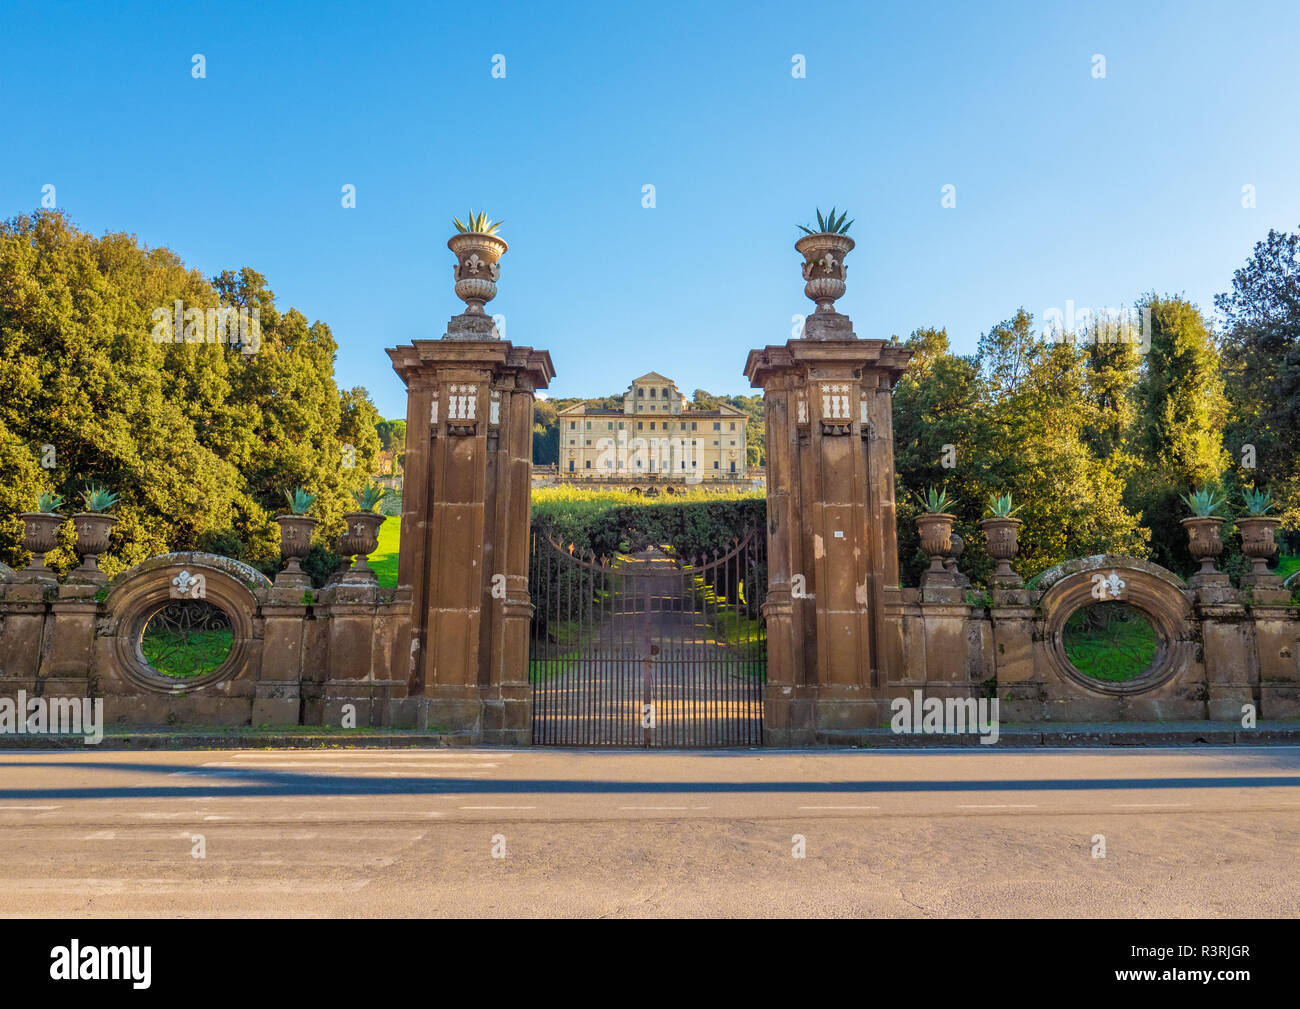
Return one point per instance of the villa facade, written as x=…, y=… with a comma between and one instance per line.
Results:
x=656, y=436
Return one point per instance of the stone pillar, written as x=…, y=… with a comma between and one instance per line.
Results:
x=466, y=517
x=833, y=596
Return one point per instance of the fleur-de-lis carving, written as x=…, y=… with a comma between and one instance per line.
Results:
x=1108, y=586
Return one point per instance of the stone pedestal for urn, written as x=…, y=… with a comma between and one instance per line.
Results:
x=359, y=539
x=40, y=536
x=1003, y=536
x=1205, y=544
x=465, y=517
x=295, y=542
x=93, y=529
x=833, y=609
x=936, y=542
x=1259, y=544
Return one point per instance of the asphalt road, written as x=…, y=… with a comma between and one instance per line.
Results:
x=413, y=832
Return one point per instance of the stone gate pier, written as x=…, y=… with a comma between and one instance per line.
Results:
x=466, y=515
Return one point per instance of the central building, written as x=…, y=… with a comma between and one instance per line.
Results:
x=656, y=439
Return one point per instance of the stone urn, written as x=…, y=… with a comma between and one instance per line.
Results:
x=93, y=529
x=476, y=269
x=954, y=557
x=824, y=271
x=343, y=548
x=40, y=536
x=1203, y=541
x=1257, y=542
x=360, y=539
x=295, y=541
x=1003, y=535
x=936, y=537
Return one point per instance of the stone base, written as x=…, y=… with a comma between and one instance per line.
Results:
x=1278, y=700
x=277, y=703
x=36, y=576
x=828, y=326
x=472, y=326
x=293, y=580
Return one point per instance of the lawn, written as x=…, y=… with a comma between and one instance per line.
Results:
x=1110, y=641
x=384, y=559
x=186, y=656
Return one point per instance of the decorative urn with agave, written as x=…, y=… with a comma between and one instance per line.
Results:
x=40, y=536
x=1002, y=531
x=1203, y=540
x=295, y=539
x=935, y=526
x=478, y=249
x=93, y=529
x=1257, y=532
x=361, y=535
x=824, y=272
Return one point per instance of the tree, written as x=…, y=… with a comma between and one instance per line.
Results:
x=1261, y=364
x=1010, y=419
x=199, y=439
x=1181, y=413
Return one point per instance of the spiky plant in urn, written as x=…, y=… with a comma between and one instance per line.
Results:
x=1002, y=531
x=824, y=274
x=40, y=536
x=935, y=526
x=93, y=528
x=295, y=539
x=361, y=536
x=1258, y=541
x=1203, y=540
x=478, y=249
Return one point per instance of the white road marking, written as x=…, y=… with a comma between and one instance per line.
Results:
x=663, y=807
x=498, y=807
x=1150, y=805
x=1000, y=805
x=839, y=807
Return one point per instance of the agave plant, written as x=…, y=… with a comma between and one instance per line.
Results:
x=1205, y=502
x=97, y=499
x=48, y=502
x=829, y=225
x=300, y=501
x=371, y=496
x=1258, y=502
x=935, y=502
x=1000, y=506
x=480, y=225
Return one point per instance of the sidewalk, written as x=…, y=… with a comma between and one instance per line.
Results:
x=1012, y=736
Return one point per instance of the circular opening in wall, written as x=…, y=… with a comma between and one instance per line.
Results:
x=1113, y=642
x=186, y=639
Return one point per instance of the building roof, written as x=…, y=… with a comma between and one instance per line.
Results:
x=653, y=376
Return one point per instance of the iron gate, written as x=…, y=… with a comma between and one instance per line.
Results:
x=648, y=649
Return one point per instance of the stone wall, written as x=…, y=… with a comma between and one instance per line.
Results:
x=297, y=656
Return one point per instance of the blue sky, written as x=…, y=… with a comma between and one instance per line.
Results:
x=1067, y=186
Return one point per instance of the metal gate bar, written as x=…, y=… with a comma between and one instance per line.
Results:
x=650, y=650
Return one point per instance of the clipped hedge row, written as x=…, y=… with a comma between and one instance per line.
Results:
x=605, y=522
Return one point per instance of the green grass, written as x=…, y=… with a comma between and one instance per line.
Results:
x=384, y=560
x=1121, y=650
x=186, y=657
x=1288, y=565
